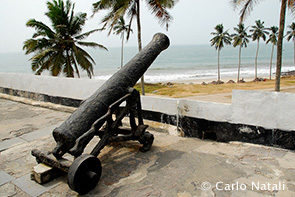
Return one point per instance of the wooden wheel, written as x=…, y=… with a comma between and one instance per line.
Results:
x=84, y=173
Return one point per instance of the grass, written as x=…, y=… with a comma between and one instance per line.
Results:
x=180, y=90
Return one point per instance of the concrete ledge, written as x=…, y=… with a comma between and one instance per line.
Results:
x=48, y=105
x=80, y=88
x=273, y=110
x=42, y=97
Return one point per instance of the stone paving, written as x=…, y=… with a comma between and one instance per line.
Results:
x=175, y=166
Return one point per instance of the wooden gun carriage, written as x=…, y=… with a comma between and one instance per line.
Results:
x=95, y=117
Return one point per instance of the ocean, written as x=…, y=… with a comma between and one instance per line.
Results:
x=177, y=63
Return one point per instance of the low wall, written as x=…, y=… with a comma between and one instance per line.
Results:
x=254, y=116
x=74, y=88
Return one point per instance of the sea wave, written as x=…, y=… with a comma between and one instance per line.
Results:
x=153, y=76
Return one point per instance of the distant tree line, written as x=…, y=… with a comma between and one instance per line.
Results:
x=241, y=38
x=247, y=6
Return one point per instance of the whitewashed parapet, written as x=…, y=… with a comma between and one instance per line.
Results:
x=265, y=109
x=163, y=105
x=53, y=86
x=271, y=110
x=219, y=112
x=197, y=109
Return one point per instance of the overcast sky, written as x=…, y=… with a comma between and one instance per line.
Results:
x=193, y=21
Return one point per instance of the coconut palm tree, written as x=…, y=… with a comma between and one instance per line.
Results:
x=240, y=39
x=220, y=38
x=121, y=28
x=131, y=8
x=291, y=35
x=259, y=31
x=57, y=49
x=247, y=6
x=273, y=38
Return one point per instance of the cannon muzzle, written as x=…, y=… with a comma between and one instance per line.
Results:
x=113, y=89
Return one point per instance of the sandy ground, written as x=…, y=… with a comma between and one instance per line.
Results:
x=224, y=79
x=227, y=97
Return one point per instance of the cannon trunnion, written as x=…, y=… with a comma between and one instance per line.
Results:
x=101, y=115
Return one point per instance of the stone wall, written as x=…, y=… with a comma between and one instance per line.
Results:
x=254, y=116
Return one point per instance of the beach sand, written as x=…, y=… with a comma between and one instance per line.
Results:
x=222, y=93
x=227, y=97
x=224, y=79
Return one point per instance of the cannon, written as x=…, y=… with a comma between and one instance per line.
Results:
x=101, y=115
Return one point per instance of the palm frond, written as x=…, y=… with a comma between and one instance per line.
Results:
x=84, y=60
x=42, y=60
x=246, y=7
x=102, y=5
x=291, y=31
x=75, y=64
x=56, y=63
x=86, y=34
x=220, y=37
x=158, y=8
x=40, y=27
x=77, y=23
x=241, y=37
x=92, y=44
x=33, y=45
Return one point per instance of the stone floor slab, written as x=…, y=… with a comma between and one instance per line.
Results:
x=9, y=189
x=9, y=143
x=32, y=188
x=39, y=133
x=4, y=178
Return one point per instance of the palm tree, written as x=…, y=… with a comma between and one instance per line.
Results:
x=291, y=35
x=273, y=38
x=57, y=49
x=240, y=39
x=132, y=9
x=220, y=38
x=247, y=6
x=121, y=28
x=259, y=31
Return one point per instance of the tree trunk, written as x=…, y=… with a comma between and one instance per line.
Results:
x=218, y=68
x=280, y=45
x=240, y=50
x=256, y=59
x=70, y=70
x=271, y=61
x=139, y=41
x=122, y=49
x=138, y=27
x=294, y=49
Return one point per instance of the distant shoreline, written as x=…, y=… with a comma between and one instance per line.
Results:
x=190, y=80
x=185, y=63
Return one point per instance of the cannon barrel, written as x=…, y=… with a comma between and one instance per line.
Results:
x=113, y=89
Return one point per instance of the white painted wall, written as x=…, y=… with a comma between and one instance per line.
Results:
x=266, y=109
x=54, y=86
x=164, y=105
x=220, y=112
x=271, y=110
